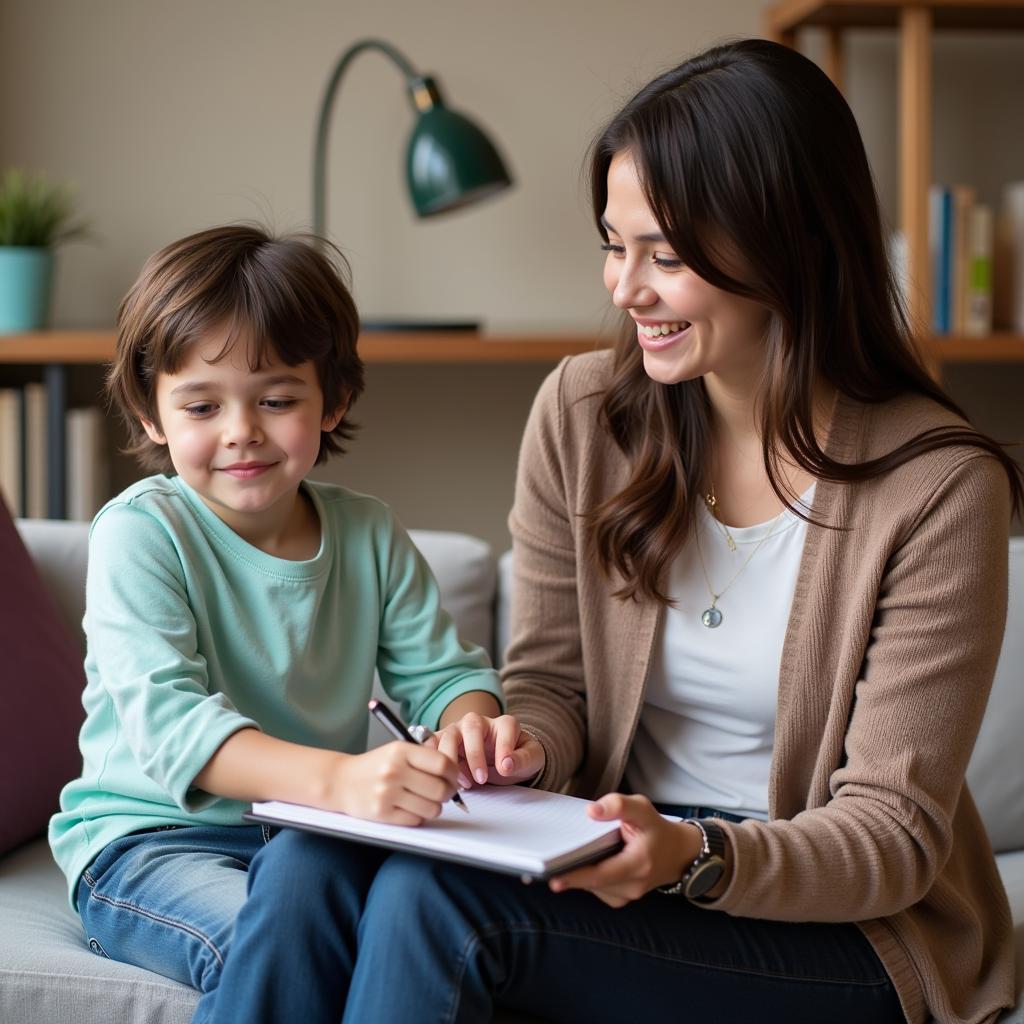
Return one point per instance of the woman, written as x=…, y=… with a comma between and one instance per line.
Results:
x=760, y=583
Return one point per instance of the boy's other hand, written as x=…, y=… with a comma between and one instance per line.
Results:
x=491, y=750
x=399, y=783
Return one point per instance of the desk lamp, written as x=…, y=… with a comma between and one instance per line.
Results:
x=450, y=161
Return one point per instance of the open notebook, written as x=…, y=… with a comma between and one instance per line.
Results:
x=509, y=829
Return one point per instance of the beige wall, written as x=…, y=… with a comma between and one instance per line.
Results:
x=172, y=117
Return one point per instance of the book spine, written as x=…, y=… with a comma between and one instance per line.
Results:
x=20, y=454
x=1010, y=258
x=36, y=489
x=978, y=313
x=10, y=450
x=86, y=485
x=963, y=204
x=940, y=205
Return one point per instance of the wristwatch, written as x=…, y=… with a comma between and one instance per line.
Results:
x=707, y=868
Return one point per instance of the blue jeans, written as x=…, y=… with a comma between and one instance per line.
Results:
x=263, y=925
x=305, y=927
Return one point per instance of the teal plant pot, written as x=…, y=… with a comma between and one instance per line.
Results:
x=25, y=277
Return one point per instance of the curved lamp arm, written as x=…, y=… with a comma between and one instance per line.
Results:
x=324, y=119
x=450, y=162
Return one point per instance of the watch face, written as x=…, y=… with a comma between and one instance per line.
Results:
x=704, y=877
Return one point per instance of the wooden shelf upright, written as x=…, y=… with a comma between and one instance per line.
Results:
x=916, y=21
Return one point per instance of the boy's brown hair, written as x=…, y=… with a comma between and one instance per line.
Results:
x=285, y=293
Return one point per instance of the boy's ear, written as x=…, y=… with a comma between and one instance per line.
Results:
x=332, y=419
x=152, y=431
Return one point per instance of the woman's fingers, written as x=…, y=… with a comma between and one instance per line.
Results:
x=494, y=750
x=508, y=737
x=475, y=729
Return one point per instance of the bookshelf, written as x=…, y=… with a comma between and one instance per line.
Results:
x=915, y=23
x=57, y=351
x=97, y=347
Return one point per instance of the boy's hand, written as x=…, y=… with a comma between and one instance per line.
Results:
x=400, y=783
x=494, y=750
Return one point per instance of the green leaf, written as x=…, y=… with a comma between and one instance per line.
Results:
x=36, y=212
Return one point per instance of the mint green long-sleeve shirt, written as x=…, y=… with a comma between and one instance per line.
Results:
x=193, y=634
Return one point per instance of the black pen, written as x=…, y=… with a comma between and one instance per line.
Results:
x=398, y=729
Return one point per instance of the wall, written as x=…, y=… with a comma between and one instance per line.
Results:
x=172, y=117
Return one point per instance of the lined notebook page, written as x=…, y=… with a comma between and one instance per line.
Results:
x=526, y=830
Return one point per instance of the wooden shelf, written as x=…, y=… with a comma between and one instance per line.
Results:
x=94, y=347
x=97, y=347
x=44, y=347
x=916, y=21
x=995, y=348
x=58, y=350
x=791, y=15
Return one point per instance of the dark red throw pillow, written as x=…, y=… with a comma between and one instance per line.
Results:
x=41, y=681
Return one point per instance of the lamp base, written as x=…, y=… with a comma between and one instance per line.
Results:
x=439, y=326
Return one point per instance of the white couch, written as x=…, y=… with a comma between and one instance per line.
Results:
x=48, y=974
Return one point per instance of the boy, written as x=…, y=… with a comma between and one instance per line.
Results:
x=235, y=615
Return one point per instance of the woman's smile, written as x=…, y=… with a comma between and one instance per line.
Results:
x=656, y=337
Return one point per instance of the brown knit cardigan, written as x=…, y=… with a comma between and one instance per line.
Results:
x=888, y=658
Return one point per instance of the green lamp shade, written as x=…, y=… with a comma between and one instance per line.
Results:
x=450, y=163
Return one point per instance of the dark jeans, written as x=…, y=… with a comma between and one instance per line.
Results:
x=310, y=928
x=438, y=942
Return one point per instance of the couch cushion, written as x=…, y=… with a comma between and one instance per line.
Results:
x=503, y=609
x=48, y=973
x=60, y=551
x=467, y=577
x=1011, y=869
x=41, y=682
x=996, y=772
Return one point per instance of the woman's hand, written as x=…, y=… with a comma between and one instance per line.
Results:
x=494, y=750
x=400, y=783
x=655, y=853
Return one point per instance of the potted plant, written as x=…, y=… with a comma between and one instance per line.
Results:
x=35, y=215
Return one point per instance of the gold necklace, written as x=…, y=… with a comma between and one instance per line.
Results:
x=712, y=616
x=712, y=503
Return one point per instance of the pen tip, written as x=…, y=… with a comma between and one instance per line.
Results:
x=461, y=804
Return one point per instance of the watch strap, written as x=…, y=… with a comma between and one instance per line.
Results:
x=704, y=871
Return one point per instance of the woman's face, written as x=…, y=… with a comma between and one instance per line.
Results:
x=687, y=327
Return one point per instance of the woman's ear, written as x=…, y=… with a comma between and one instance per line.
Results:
x=152, y=431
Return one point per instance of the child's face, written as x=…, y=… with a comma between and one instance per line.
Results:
x=242, y=439
x=706, y=330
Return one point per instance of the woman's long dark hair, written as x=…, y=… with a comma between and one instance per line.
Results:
x=750, y=147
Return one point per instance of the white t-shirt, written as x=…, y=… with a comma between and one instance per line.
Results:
x=707, y=726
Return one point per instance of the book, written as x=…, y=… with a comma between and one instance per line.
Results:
x=35, y=448
x=11, y=488
x=960, y=238
x=86, y=467
x=1009, y=260
x=940, y=245
x=509, y=829
x=978, y=312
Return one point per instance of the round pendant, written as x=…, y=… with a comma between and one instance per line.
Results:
x=712, y=618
